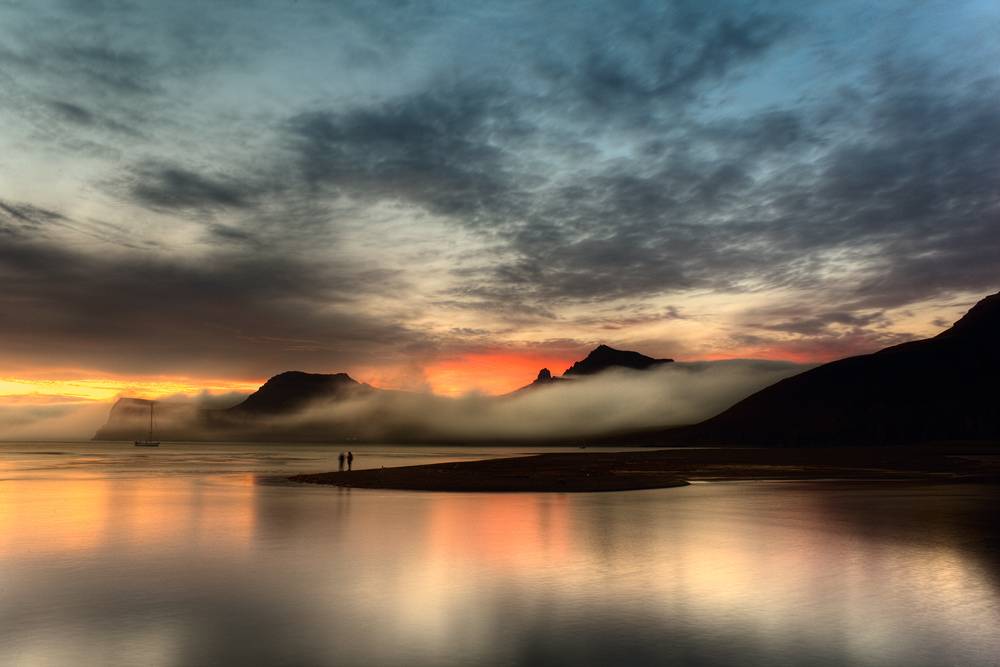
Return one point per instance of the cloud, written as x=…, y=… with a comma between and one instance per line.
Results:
x=610, y=402
x=82, y=117
x=53, y=419
x=407, y=173
x=909, y=213
x=117, y=70
x=245, y=315
x=664, y=55
x=821, y=322
x=163, y=186
x=20, y=217
x=437, y=149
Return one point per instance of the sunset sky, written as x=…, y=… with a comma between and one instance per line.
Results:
x=448, y=196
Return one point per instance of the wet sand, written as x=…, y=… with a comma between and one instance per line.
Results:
x=623, y=471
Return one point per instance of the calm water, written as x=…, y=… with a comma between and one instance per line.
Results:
x=180, y=556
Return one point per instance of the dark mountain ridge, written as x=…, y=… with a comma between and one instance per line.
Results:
x=282, y=395
x=941, y=388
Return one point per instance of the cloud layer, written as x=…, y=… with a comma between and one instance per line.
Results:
x=611, y=402
x=342, y=186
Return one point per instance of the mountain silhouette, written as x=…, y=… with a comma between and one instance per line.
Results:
x=290, y=391
x=545, y=379
x=941, y=388
x=284, y=394
x=603, y=357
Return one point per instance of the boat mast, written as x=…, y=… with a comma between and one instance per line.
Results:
x=150, y=438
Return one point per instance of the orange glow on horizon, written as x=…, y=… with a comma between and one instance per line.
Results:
x=43, y=389
x=490, y=373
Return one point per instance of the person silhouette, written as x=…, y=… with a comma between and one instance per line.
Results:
x=350, y=459
x=341, y=460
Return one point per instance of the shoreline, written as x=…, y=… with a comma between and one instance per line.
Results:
x=666, y=468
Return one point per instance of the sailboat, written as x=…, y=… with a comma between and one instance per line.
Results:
x=148, y=442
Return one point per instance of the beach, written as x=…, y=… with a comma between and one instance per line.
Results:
x=662, y=468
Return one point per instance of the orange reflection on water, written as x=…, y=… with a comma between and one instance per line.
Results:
x=506, y=530
x=80, y=514
x=44, y=517
x=157, y=512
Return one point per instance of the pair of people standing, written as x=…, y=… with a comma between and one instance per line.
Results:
x=349, y=458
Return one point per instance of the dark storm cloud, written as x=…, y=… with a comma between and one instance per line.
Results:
x=82, y=77
x=232, y=314
x=822, y=347
x=630, y=315
x=916, y=195
x=598, y=152
x=15, y=217
x=905, y=177
x=72, y=112
x=168, y=186
x=821, y=323
x=113, y=51
x=662, y=54
x=456, y=152
x=903, y=182
x=457, y=146
x=440, y=150
x=26, y=223
x=116, y=67
x=78, y=115
x=113, y=70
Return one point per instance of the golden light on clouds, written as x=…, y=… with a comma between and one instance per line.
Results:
x=46, y=389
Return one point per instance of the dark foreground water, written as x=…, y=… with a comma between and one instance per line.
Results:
x=110, y=555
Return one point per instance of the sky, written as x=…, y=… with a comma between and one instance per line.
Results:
x=448, y=196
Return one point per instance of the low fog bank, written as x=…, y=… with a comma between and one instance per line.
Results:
x=614, y=401
x=54, y=420
x=32, y=418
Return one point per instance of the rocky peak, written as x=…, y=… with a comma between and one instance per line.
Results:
x=604, y=357
x=292, y=390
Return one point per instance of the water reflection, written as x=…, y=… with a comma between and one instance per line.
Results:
x=205, y=567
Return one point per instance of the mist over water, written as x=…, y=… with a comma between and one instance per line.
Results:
x=616, y=400
x=55, y=420
x=193, y=554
